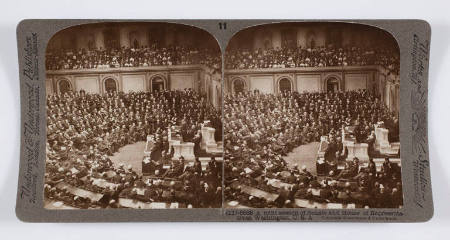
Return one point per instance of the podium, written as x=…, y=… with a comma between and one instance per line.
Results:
x=173, y=136
x=185, y=149
x=208, y=137
x=358, y=150
x=209, y=143
x=381, y=142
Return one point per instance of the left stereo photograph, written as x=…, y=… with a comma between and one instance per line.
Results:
x=134, y=117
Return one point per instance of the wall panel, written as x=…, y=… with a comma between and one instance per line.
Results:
x=356, y=81
x=180, y=81
x=308, y=83
x=133, y=83
x=87, y=83
x=262, y=83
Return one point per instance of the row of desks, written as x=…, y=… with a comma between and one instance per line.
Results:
x=302, y=203
x=124, y=202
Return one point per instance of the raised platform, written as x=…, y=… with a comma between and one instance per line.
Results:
x=209, y=143
x=358, y=150
x=209, y=147
x=382, y=143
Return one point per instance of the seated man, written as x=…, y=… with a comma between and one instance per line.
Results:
x=213, y=167
x=284, y=194
x=388, y=168
x=198, y=167
x=176, y=169
x=351, y=170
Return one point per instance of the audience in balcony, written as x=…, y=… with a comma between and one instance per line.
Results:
x=131, y=57
x=289, y=57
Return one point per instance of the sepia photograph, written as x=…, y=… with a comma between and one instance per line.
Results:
x=311, y=117
x=134, y=117
x=187, y=119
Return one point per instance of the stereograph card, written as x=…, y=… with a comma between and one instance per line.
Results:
x=224, y=120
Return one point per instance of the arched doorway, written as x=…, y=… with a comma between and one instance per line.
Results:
x=157, y=84
x=332, y=84
x=284, y=85
x=238, y=86
x=64, y=86
x=110, y=85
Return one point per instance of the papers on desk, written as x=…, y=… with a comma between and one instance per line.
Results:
x=111, y=173
x=303, y=203
x=285, y=174
x=79, y=192
x=130, y=203
x=58, y=205
x=135, y=204
x=351, y=206
x=158, y=205
x=103, y=183
x=279, y=184
x=139, y=191
x=74, y=170
x=259, y=193
x=335, y=206
x=315, y=192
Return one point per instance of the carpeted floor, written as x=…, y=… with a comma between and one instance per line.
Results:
x=130, y=155
x=304, y=155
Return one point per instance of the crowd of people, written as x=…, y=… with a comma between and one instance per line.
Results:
x=84, y=130
x=234, y=59
x=288, y=57
x=262, y=128
x=131, y=57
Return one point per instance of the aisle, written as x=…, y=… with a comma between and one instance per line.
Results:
x=304, y=155
x=130, y=155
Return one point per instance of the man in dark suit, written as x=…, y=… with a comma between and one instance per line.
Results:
x=198, y=167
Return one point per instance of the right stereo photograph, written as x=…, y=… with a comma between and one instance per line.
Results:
x=311, y=117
